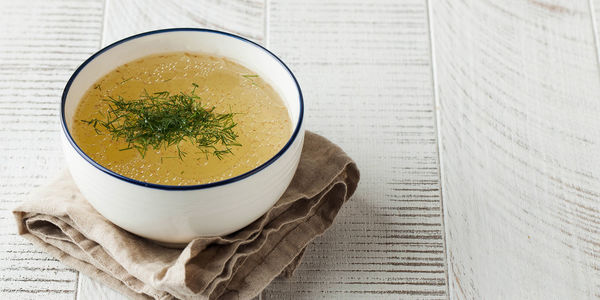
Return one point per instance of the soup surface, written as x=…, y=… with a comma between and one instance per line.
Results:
x=223, y=91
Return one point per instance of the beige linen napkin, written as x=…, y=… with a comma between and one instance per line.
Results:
x=238, y=266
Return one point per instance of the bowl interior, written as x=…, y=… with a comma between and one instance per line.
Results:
x=246, y=53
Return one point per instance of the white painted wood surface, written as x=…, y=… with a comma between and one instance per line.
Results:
x=365, y=71
x=41, y=44
x=125, y=18
x=516, y=88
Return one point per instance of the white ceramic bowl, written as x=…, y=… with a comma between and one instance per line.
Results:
x=177, y=214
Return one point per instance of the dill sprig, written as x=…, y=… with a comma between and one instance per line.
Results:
x=162, y=120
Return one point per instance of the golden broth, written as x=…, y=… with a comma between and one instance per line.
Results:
x=263, y=123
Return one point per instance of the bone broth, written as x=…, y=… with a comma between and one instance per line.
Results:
x=181, y=119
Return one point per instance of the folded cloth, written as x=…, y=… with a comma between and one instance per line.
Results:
x=240, y=265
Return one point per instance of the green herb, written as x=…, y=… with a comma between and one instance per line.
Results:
x=249, y=77
x=161, y=120
x=166, y=157
x=125, y=80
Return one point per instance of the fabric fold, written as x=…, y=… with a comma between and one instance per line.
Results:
x=59, y=220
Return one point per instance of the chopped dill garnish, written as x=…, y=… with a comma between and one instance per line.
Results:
x=161, y=120
x=125, y=80
x=249, y=77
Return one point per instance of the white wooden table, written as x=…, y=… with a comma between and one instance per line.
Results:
x=476, y=126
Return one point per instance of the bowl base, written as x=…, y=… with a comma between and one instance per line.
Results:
x=171, y=245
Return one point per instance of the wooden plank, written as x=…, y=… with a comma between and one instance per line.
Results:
x=125, y=18
x=365, y=70
x=518, y=91
x=41, y=43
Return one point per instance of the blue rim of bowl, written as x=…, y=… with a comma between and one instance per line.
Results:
x=179, y=187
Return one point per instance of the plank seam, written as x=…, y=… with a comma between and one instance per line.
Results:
x=77, y=286
x=595, y=31
x=266, y=24
x=104, y=25
x=436, y=104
